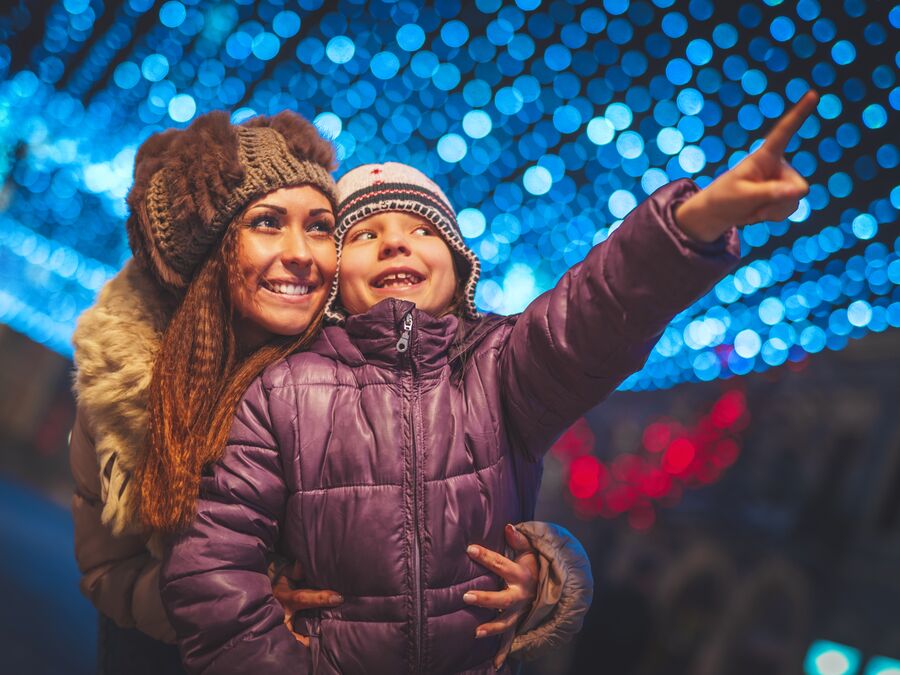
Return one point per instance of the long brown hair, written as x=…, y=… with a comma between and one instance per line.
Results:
x=198, y=379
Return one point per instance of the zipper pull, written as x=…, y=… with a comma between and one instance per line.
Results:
x=403, y=342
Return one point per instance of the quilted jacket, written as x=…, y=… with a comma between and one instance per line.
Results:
x=376, y=456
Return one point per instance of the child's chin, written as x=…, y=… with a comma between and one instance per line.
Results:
x=415, y=298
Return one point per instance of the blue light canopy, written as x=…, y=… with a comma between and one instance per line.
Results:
x=545, y=122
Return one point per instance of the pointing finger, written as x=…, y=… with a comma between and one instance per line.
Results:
x=790, y=122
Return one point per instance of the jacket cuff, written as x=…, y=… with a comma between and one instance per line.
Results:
x=565, y=591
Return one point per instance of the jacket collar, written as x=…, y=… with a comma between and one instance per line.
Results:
x=116, y=342
x=372, y=338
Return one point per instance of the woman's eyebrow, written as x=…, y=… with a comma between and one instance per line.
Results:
x=319, y=212
x=279, y=209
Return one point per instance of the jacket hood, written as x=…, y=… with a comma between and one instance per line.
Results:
x=116, y=343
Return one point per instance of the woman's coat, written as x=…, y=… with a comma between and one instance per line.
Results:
x=116, y=343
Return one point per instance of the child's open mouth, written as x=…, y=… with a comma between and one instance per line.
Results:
x=398, y=280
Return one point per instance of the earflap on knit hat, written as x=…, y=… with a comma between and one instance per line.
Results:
x=189, y=184
x=392, y=186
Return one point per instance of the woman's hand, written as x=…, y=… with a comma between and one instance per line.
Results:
x=763, y=186
x=297, y=599
x=512, y=603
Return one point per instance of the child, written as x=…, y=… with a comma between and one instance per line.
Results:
x=417, y=427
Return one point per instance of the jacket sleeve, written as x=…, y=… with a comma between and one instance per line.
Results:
x=564, y=593
x=118, y=573
x=215, y=584
x=577, y=342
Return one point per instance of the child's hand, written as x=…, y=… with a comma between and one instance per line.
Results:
x=763, y=186
x=512, y=603
x=294, y=599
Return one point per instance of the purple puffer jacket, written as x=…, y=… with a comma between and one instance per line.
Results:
x=377, y=456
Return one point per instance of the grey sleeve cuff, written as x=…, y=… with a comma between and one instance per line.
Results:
x=565, y=591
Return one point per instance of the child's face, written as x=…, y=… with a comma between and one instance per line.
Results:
x=396, y=255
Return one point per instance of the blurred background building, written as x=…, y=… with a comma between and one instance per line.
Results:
x=740, y=496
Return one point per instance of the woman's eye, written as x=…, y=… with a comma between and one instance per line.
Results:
x=323, y=226
x=265, y=222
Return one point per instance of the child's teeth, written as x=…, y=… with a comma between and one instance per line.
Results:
x=400, y=278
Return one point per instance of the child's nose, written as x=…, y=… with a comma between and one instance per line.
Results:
x=394, y=243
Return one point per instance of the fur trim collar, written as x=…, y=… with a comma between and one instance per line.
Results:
x=116, y=343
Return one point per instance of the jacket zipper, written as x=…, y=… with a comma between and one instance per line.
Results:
x=402, y=347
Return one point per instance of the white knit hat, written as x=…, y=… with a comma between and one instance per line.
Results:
x=375, y=188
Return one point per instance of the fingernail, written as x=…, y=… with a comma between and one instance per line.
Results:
x=469, y=597
x=480, y=633
x=472, y=550
x=335, y=598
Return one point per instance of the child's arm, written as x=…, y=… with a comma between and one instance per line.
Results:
x=576, y=343
x=214, y=583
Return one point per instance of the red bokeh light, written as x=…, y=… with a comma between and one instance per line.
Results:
x=725, y=453
x=586, y=474
x=628, y=469
x=656, y=483
x=621, y=498
x=678, y=456
x=577, y=440
x=656, y=437
x=672, y=458
x=728, y=409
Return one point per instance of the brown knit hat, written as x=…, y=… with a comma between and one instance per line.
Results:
x=189, y=184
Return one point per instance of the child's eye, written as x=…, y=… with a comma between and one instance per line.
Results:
x=364, y=235
x=423, y=230
x=266, y=222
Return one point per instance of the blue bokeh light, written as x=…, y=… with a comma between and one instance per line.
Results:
x=452, y=148
x=410, y=37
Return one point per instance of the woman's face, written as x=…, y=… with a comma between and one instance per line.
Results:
x=396, y=255
x=287, y=260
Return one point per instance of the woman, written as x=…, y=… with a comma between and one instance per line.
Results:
x=231, y=231
x=140, y=347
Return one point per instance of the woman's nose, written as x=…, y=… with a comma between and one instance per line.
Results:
x=296, y=250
